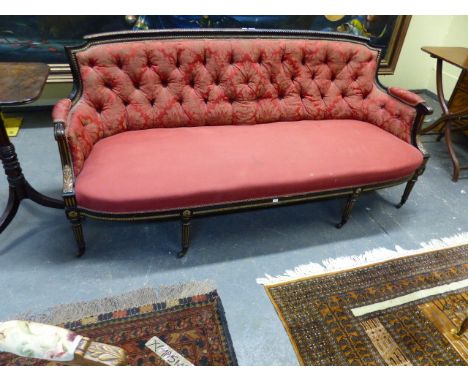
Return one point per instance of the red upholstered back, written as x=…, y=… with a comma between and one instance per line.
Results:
x=171, y=83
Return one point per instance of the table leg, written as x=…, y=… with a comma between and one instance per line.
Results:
x=440, y=88
x=443, y=121
x=453, y=156
x=447, y=117
x=41, y=199
x=427, y=130
x=443, y=104
x=10, y=211
x=19, y=188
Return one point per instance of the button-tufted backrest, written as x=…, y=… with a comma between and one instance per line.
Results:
x=195, y=82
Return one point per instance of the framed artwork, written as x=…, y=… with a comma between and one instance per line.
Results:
x=42, y=38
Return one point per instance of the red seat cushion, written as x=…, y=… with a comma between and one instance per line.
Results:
x=172, y=168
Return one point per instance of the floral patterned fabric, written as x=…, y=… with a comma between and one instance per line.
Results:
x=148, y=84
x=61, y=110
x=35, y=340
x=406, y=96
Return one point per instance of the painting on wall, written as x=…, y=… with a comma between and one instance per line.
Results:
x=42, y=38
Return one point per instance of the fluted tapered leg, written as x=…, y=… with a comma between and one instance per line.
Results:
x=410, y=185
x=349, y=207
x=186, y=218
x=75, y=219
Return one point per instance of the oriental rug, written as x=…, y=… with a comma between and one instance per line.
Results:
x=192, y=325
x=403, y=311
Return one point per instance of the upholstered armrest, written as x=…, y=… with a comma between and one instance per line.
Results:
x=52, y=343
x=398, y=111
x=75, y=133
x=411, y=99
x=61, y=110
x=422, y=109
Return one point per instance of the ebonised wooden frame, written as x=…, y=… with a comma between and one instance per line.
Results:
x=75, y=213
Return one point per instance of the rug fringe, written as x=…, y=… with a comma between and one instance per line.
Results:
x=373, y=256
x=71, y=312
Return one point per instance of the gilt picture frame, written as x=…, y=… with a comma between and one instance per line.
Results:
x=43, y=38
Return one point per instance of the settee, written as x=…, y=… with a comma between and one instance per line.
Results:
x=184, y=123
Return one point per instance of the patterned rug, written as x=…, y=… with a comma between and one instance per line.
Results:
x=404, y=311
x=193, y=326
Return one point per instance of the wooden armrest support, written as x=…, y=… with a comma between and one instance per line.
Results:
x=65, y=156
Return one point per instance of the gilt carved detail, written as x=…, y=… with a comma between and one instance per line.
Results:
x=100, y=353
x=67, y=179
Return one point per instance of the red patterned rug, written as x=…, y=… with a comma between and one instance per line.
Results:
x=194, y=326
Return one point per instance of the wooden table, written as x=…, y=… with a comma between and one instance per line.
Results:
x=20, y=83
x=457, y=56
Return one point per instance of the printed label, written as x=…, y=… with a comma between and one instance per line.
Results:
x=166, y=353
